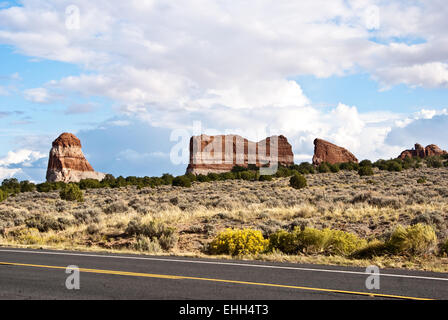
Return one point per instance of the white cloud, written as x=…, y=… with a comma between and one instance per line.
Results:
x=230, y=64
x=6, y=173
x=38, y=95
x=23, y=156
x=3, y=91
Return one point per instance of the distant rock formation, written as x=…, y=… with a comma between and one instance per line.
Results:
x=219, y=154
x=325, y=151
x=420, y=152
x=67, y=162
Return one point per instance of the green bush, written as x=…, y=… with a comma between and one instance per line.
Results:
x=213, y=176
x=247, y=175
x=444, y=248
x=365, y=163
x=265, y=178
x=167, y=179
x=26, y=186
x=202, y=178
x=3, y=195
x=46, y=223
x=11, y=186
x=313, y=241
x=155, y=230
x=89, y=184
x=414, y=240
x=71, y=192
x=365, y=171
x=146, y=244
x=297, y=181
x=394, y=166
x=181, y=181
x=434, y=162
x=323, y=168
x=421, y=180
x=239, y=242
x=348, y=166
x=334, y=167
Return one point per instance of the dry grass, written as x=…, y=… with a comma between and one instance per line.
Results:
x=367, y=206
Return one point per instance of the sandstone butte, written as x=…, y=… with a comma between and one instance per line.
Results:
x=219, y=154
x=420, y=152
x=67, y=163
x=325, y=151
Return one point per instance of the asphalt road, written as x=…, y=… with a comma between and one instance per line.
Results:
x=41, y=274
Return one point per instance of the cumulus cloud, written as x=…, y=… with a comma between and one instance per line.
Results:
x=38, y=95
x=230, y=64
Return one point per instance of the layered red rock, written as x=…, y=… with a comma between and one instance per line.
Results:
x=420, y=152
x=219, y=154
x=325, y=151
x=67, y=162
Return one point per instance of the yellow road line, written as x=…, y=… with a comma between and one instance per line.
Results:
x=173, y=277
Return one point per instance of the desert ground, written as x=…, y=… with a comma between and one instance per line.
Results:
x=188, y=219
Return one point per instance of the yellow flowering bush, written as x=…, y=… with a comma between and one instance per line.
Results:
x=239, y=242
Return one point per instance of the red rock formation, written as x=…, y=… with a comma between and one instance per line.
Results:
x=419, y=151
x=67, y=163
x=221, y=153
x=325, y=151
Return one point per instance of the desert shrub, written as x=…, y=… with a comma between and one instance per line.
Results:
x=167, y=179
x=304, y=168
x=365, y=171
x=334, y=167
x=323, y=168
x=365, y=163
x=444, y=247
x=434, y=162
x=284, y=241
x=202, y=178
x=312, y=241
x=421, y=180
x=71, y=192
x=213, y=176
x=239, y=242
x=146, y=244
x=27, y=236
x=348, y=166
x=283, y=172
x=374, y=248
x=119, y=206
x=394, y=166
x=3, y=195
x=182, y=181
x=93, y=228
x=11, y=186
x=87, y=215
x=265, y=178
x=247, y=175
x=89, y=184
x=414, y=240
x=26, y=186
x=297, y=181
x=46, y=223
x=227, y=176
x=166, y=235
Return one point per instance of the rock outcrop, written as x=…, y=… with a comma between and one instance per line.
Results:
x=325, y=151
x=219, y=154
x=67, y=163
x=420, y=152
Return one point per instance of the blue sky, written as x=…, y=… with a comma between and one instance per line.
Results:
x=370, y=75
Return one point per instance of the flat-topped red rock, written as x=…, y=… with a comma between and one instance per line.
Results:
x=219, y=154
